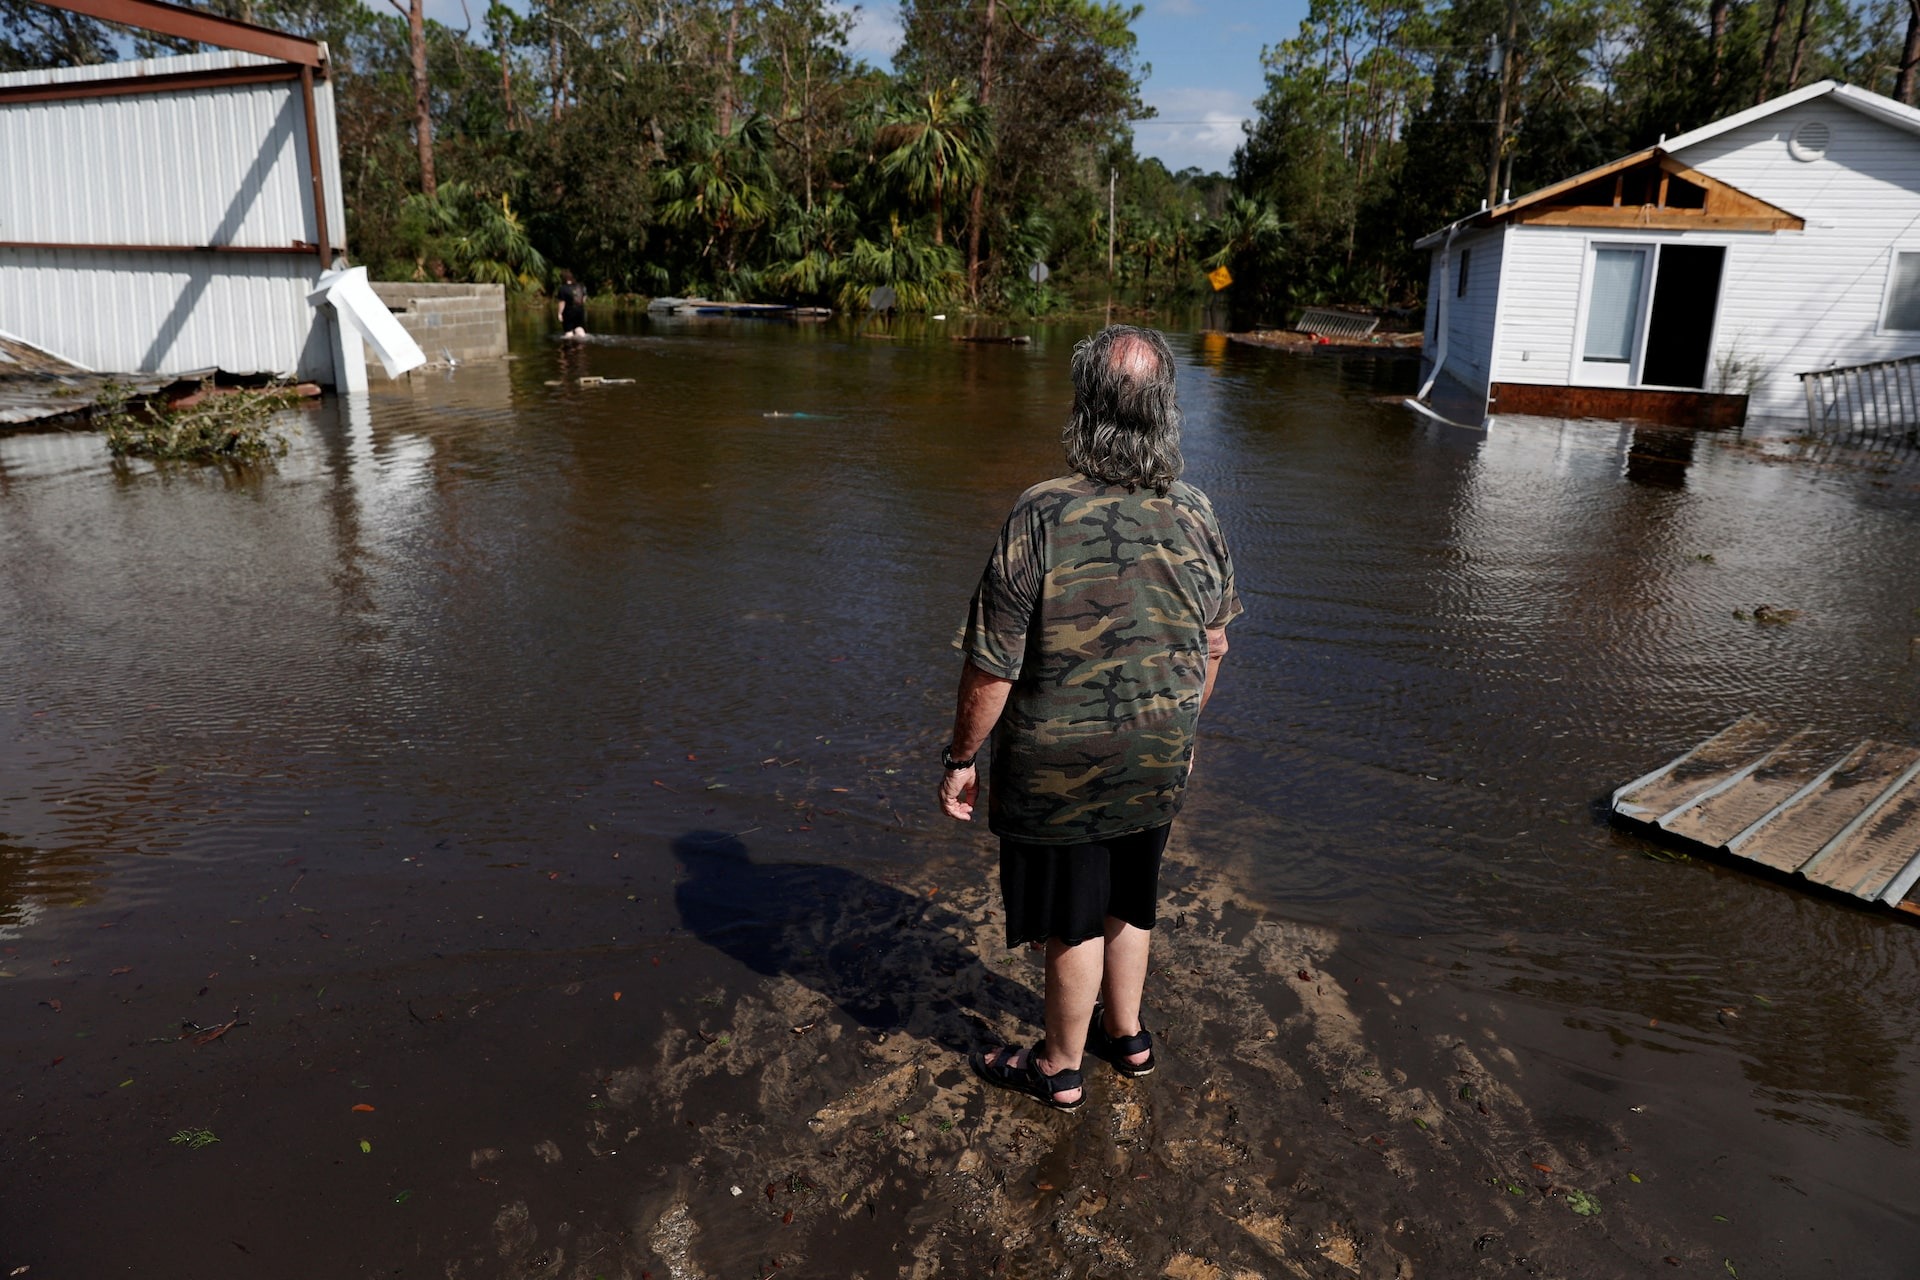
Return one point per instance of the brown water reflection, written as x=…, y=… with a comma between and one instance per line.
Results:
x=430, y=715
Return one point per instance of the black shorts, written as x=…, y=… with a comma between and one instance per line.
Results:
x=1067, y=891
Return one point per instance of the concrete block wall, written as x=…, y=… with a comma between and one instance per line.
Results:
x=451, y=322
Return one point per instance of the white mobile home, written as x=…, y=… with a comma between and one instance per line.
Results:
x=1691, y=281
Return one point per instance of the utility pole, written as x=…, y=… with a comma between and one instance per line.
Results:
x=1504, y=54
x=1110, y=182
x=975, y=207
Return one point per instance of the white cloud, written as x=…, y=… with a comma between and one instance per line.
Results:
x=1195, y=127
x=876, y=32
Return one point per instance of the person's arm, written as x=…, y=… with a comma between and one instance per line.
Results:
x=977, y=708
x=1216, y=653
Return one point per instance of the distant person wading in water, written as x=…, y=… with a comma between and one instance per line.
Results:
x=1092, y=643
x=572, y=307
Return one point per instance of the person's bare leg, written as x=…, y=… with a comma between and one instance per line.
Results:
x=1126, y=978
x=1073, y=984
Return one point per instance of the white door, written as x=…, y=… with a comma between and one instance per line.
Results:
x=1616, y=309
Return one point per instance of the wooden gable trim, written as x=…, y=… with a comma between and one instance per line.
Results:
x=1655, y=219
x=1577, y=180
x=1725, y=207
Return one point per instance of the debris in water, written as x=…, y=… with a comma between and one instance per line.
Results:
x=207, y=1035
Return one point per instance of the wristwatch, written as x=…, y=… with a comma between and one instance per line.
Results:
x=951, y=765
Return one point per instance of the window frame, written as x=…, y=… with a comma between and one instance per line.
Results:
x=1581, y=371
x=1881, y=325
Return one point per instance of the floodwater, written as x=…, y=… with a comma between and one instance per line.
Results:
x=498, y=840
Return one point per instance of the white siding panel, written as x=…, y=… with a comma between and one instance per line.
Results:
x=217, y=60
x=328, y=127
x=217, y=166
x=208, y=167
x=1799, y=301
x=1544, y=267
x=1469, y=318
x=165, y=312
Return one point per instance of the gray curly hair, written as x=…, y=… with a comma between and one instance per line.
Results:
x=1125, y=424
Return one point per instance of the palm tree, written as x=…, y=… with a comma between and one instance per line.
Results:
x=1150, y=242
x=477, y=237
x=810, y=245
x=722, y=183
x=935, y=146
x=1247, y=233
x=922, y=275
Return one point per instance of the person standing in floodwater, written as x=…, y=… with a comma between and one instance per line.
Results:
x=572, y=307
x=1092, y=643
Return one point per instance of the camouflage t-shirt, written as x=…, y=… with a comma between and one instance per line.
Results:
x=1096, y=604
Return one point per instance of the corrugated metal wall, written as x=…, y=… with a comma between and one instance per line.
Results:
x=216, y=166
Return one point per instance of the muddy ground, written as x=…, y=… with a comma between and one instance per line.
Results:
x=770, y=1082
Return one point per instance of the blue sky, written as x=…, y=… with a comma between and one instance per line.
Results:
x=1205, y=56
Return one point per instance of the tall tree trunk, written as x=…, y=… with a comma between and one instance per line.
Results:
x=1773, y=50
x=1717, y=23
x=977, y=205
x=1903, y=84
x=806, y=125
x=1800, y=45
x=553, y=70
x=422, y=100
x=726, y=79
x=506, y=74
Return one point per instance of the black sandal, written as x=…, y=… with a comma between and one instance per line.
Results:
x=1117, y=1049
x=991, y=1066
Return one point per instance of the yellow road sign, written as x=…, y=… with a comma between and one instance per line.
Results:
x=1220, y=278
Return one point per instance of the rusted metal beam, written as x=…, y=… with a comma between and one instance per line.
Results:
x=313, y=169
x=300, y=247
x=200, y=27
x=171, y=82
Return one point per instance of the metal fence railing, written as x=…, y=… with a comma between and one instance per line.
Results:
x=1329, y=323
x=1881, y=398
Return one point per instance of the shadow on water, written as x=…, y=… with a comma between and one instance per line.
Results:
x=891, y=960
